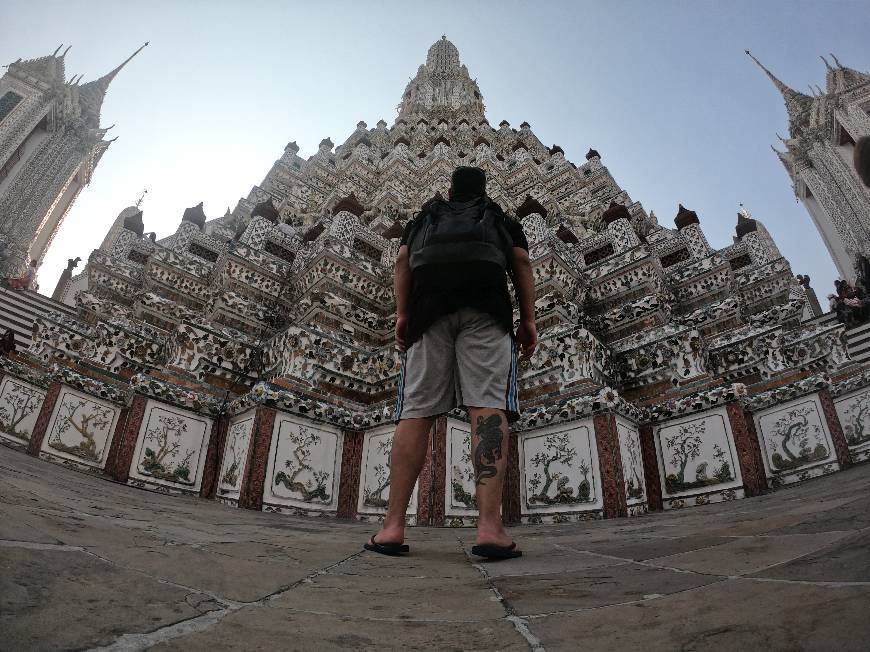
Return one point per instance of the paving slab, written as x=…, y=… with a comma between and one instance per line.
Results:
x=64, y=599
x=729, y=615
x=272, y=629
x=846, y=560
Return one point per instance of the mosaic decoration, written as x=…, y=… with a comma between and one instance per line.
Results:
x=794, y=439
x=697, y=455
x=632, y=463
x=304, y=465
x=170, y=451
x=374, y=491
x=560, y=469
x=81, y=428
x=20, y=403
x=235, y=455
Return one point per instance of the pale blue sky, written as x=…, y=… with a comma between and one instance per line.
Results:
x=662, y=89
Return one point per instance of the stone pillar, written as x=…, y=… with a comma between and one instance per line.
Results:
x=351, y=465
x=610, y=465
x=748, y=450
x=251, y=494
x=41, y=425
x=651, y=467
x=124, y=443
x=841, y=446
x=431, y=501
x=214, y=456
x=511, y=506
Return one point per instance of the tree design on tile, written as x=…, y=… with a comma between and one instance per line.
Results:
x=85, y=418
x=634, y=488
x=239, y=434
x=794, y=429
x=557, y=450
x=855, y=429
x=19, y=403
x=314, y=488
x=374, y=497
x=167, y=462
x=685, y=447
x=464, y=472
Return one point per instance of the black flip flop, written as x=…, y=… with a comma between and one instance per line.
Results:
x=391, y=549
x=492, y=551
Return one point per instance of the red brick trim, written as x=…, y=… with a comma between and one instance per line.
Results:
x=748, y=450
x=610, y=465
x=651, y=467
x=432, y=477
x=251, y=494
x=117, y=436
x=351, y=463
x=214, y=456
x=511, y=505
x=124, y=442
x=41, y=425
x=841, y=446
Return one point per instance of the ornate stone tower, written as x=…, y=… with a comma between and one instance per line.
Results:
x=50, y=144
x=823, y=128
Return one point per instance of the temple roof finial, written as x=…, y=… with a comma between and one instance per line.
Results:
x=797, y=104
x=92, y=94
x=837, y=61
x=827, y=65
x=54, y=54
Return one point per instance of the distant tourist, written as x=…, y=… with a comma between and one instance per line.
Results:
x=26, y=281
x=454, y=323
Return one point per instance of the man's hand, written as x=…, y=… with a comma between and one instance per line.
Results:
x=401, y=331
x=527, y=337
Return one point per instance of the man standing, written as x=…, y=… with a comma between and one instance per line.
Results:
x=454, y=327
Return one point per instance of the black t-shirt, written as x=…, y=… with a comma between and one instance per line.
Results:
x=439, y=291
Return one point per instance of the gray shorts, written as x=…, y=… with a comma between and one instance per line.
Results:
x=463, y=359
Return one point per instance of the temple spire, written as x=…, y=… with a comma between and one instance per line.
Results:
x=92, y=94
x=796, y=103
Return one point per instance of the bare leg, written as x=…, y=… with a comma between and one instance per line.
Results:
x=489, y=444
x=410, y=444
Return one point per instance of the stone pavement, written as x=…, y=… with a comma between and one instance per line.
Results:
x=86, y=563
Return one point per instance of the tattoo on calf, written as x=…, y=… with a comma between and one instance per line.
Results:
x=488, y=449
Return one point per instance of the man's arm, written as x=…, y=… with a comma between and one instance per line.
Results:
x=402, y=292
x=524, y=284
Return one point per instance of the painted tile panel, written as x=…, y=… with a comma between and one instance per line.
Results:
x=80, y=428
x=235, y=456
x=171, y=447
x=304, y=465
x=460, y=497
x=374, y=492
x=560, y=469
x=697, y=455
x=794, y=438
x=20, y=403
x=853, y=411
x=632, y=462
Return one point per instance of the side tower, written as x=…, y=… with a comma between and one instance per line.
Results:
x=823, y=128
x=50, y=144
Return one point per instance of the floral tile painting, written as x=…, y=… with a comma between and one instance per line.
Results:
x=560, y=469
x=235, y=455
x=171, y=447
x=374, y=493
x=20, y=403
x=460, y=471
x=853, y=411
x=697, y=455
x=81, y=428
x=632, y=463
x=794, y=436
x=304, y=465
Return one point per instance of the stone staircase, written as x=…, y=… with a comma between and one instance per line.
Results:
x=857, y=338
x=20, y=308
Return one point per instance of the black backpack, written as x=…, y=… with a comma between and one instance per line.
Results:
x=460, y=232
